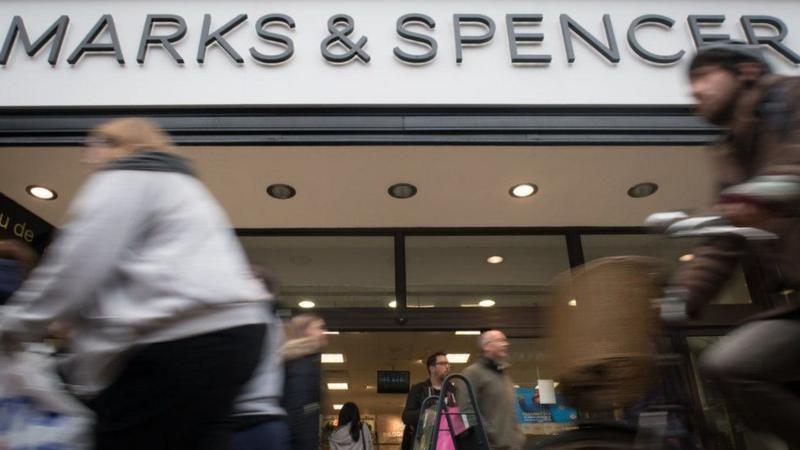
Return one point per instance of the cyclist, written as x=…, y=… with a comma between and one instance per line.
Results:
x=758, y=167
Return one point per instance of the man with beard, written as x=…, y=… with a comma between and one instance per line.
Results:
x=438, y=369
x=758, y=168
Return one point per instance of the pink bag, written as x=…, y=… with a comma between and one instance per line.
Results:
x=445, y=439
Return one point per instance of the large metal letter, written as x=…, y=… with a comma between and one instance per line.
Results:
x=89, y=46
x=652, y=19
x=700, y=39
x=208, y=38
x=56, y=32
x=515, y=38
x=149, y=39
x=278, y=39
x=774, y=42
x=418, y=38
x=610, y=52
x=473, y=19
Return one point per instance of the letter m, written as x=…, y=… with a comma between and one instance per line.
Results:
x=17, y=30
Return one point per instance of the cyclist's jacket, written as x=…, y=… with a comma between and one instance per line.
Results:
x=763, y=140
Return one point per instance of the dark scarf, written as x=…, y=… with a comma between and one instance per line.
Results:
x=10, y=278
x=491, y=364
x=152, y=161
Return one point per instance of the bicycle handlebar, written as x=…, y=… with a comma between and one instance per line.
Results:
x=677, y=224
x=680, y=225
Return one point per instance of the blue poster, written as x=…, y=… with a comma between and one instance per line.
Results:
x=529, y=410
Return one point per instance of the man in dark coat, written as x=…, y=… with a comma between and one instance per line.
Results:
x=305, y=339
x=438, y=369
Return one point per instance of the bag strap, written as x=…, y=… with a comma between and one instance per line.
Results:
x=363, y=442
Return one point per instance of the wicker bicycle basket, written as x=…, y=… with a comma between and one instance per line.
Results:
x=603, y=325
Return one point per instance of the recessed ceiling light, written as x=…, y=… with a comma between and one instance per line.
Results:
x=393, y=304
x=457, y=358
x=337, y=406
x=306, y=304
x=642, y=190
x=487, y=303
x=468, y=333
x=572, y=302
x=402, y=190
x=330, y=332
x=41, y=192
x=495, y=259
x=523, y=190
x=332, y=358
x=687, y=258
x=281, y=191
x=338, y=386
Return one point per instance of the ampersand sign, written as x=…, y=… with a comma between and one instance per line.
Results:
x=340, y=27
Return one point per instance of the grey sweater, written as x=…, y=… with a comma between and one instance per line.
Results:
x=494, y=391
x=145, y=256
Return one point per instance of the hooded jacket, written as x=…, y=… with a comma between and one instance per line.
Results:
x=342, y=440
x=764, y=140
x=146, y=255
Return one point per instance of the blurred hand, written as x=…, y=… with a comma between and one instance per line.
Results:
x=316, y=330
x=672, y=306
x=9, y=344
x=60, y=330
x=743, y=214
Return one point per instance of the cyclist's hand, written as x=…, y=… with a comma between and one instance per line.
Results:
x=744, y=214
x=9, y=344
x=672, y=306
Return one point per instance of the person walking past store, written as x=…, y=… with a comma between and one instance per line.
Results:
x=438, y=369
x=301, y=353
x=351, y=433
x=16, y=262
x=259, y=419
x=167, y=319
x=494, y=391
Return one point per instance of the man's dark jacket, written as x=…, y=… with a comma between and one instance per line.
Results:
x=419, y=392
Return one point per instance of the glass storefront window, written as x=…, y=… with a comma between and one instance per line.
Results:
x=330, y=271
x=456, y=271
x=366, y=353
x=671, y=251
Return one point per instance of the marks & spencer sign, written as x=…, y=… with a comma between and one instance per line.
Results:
x=377, y=52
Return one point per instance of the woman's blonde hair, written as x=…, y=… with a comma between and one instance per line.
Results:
x=133, y=134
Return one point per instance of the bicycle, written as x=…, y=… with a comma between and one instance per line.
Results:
x=633, y=361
